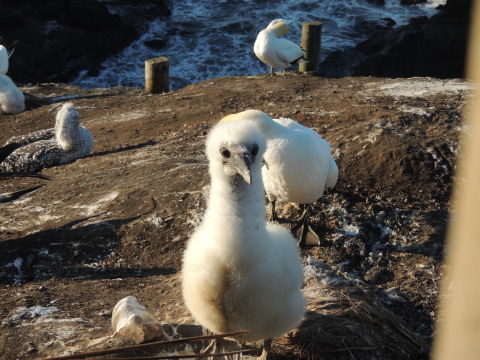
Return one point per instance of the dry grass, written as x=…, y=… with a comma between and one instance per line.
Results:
x=345, y=323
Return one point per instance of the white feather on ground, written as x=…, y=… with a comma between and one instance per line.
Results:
x=299, y=166
x=240, y=272
x=71, y=142
x=12, y=100
x=275, y=51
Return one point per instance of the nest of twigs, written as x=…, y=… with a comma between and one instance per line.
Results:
x=344, y=322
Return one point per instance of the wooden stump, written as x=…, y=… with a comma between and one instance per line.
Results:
x=156, y=75
x=311, y=40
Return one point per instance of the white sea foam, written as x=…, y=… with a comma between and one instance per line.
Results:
x=207, y=39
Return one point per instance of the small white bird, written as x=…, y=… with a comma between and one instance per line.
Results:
x=12, y=100
x=299, y=166
x=68, y=142
x=240, y=272
x=275, y=51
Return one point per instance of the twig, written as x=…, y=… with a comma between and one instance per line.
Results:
x=185, y=356
x=144, y=346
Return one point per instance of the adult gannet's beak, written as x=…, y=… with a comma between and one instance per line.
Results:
x=11, y=48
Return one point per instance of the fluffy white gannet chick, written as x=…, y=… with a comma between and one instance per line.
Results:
x=71, y=142
x=275, y=51
x=240, y=272
x=299, y=165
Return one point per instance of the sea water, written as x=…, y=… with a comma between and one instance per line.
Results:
x=207, y=39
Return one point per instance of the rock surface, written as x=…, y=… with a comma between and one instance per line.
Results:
x=132, y=320
x=426, y=47
x=115, y=223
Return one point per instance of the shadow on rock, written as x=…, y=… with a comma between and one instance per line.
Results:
x=126, y=148
x=70, y=251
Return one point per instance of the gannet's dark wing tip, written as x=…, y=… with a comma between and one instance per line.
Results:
x=8, y=197
x=24, y=174
x=7, y=150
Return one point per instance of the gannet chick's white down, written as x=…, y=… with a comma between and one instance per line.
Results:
x=275, y=51
x=239, y=271
x=299, y=166
x=70, y=142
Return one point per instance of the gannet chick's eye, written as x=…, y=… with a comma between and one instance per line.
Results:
x=225, y=153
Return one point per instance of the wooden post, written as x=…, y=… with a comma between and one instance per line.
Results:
x=311, y=40
x=156, y=75
x=458, y=333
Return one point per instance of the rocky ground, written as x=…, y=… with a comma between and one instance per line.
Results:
x=115, y=223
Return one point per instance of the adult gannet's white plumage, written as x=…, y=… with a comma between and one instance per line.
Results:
x=275, y=51
x=240, y=272
x=5, y=55
x=299, y=165
x=3, y=60
x=12, y=100
x=71, y=142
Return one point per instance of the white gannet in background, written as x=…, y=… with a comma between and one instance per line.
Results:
x=299, y=165
x=239, y=271
x=3, y=60
x=275, y=51
x=5, y=55
x=71, y=142
x=12, y=100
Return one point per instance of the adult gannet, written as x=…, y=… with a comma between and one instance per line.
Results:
x=12, y=100
x=3, y=60
x=275, y=51
x=5, y=55
x=71, y=142
x=299, y=165
x=239, y=271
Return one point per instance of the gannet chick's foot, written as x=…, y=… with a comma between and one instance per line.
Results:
x=239, y=271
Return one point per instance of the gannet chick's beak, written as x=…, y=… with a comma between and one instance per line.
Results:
x=238, y=160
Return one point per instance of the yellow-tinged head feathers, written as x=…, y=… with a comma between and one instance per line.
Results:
x=279, y=27
x=230, y=117
x=244, y=115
